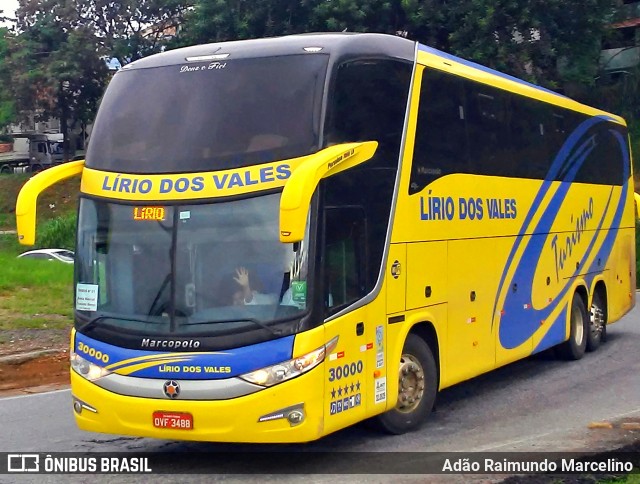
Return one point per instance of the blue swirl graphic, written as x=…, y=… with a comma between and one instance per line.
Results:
x=519, y=321
x=184, y=365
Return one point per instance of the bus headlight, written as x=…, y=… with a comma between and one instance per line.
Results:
x=87, y=369
x=272, y=375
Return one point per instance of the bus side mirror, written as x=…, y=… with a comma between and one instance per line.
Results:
x=27, y=198
x=297, y=193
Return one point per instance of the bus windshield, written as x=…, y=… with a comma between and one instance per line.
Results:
x=209, y=115
x=202, y=269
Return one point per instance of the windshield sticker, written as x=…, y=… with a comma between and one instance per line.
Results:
x=149, y=213
x=213, y=66
x=381, y=390
x=352, y=398
x=299, y=291
x=379, y=347
x=87, y=297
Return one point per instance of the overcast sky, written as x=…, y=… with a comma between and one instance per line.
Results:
x=8, y=7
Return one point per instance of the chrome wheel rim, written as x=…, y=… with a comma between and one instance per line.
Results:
x=596, y=323
x=411, y=384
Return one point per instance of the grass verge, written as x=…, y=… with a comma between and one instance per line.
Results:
x=35, y=293
x=57, y=200
x=630, y=479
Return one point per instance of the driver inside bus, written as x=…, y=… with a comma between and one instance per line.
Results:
x=245, y=294
x=239, y=292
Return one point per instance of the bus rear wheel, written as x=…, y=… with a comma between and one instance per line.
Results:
x=417, y=388
x=576, y=345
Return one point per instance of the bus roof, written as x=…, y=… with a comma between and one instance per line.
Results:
x=339, y=45
x=346, y=45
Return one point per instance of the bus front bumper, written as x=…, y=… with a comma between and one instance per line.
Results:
x=251, y=418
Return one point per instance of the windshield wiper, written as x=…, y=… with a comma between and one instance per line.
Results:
x=160, y=291
x=94, y=322
x=239, y=320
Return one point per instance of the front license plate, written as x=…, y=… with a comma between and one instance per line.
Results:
x=173, y=420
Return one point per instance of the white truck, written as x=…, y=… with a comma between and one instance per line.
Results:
x=31, y=153
x=56, y=147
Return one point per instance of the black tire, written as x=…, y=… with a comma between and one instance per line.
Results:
x=576, y=345
x=6, y=169
x=597, y=322
x=35, y=168
x=409, y=415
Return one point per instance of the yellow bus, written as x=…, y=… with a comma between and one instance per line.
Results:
x=278, y=238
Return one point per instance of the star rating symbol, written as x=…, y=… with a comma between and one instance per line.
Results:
x=352, y=387
x=358, y=385
x=346, y=389
x=339, y=391
x=333, y=393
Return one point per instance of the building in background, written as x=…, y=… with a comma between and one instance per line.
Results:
x=621, y=52
x=32, y=122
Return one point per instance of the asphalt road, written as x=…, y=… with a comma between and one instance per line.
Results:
x=539, y=404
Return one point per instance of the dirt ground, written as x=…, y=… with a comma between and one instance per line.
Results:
x=42, y=366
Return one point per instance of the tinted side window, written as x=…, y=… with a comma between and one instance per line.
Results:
x=529, y=138
x=468, y=127
x=603, y=163
x=368, y=102
x=344, y=262
x=488, y=116
x=441, y=140
x=561, y=125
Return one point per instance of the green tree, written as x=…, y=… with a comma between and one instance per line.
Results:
x=555, y=43
x=386, y=16
x=7, y=104
x=131, y=29
x=56, y=65
x=221, y=20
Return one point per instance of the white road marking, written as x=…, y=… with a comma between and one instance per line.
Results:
x=34, y=394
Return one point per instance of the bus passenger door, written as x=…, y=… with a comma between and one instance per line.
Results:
x=344, y=265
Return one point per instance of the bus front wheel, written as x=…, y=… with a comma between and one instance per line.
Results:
x=417, y=388
x=575, y=346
